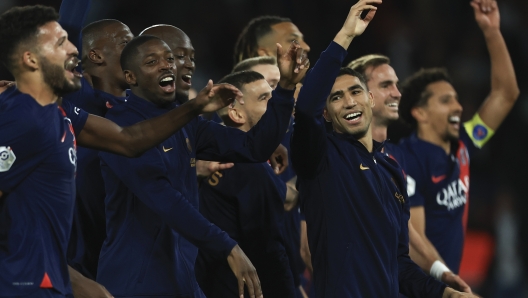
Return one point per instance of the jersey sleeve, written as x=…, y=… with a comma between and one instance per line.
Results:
x=77, y=116
x=22, y=147
x=220, y=143
x=415, y=181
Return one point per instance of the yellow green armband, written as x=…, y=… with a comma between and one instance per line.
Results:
x=478, y=131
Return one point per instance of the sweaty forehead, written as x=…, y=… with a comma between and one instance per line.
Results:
x=50, y=31
x=383, y=72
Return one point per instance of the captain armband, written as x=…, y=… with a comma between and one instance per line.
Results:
x=478, y=131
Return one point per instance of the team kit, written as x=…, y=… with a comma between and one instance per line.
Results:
x=117, y=179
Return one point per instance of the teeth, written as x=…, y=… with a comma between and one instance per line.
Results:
x=393, y=104
x=352, y=115
x=455, y=119
x=187, y=76
x=167, y=79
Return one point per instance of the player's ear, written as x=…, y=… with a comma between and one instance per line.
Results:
x=130, y=77
x=30, y=60
x=95, y=56
x=419, y=114
x=326, y=116
x=371, y=99
x=236, y=116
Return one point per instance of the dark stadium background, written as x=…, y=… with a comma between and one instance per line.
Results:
x=414, y=34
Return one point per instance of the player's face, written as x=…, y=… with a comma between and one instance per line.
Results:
x=285, y=33
x=117, y=37
x=349, y=106
x=183, y=51
x=256, y=96
x=155, y=76
x=270, y=72
x=383, y=83
x=57, y=59
x=443, y=111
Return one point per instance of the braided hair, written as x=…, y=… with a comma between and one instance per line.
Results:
x=247, y=43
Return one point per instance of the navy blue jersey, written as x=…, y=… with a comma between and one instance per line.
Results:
x=88, y=230
x=354, y=201
x=37, y=177
x=153, y=223
x=440, y=183
x=246, y=201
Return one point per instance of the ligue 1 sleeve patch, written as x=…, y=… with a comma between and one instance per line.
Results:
x=478, y=131
x=7, y=158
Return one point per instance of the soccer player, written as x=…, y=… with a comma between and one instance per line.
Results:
x=382, y=81
x=246, y=201
x=353, y=195
x=38, y=140
x=261, y=34
x=265, y=65
x=154, y=229
x=438, y=153
x=103, y=85
x=183, y=51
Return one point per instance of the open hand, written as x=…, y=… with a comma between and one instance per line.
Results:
x=292, y=64
x=215, y=97
x=244, y=272
x=354, y=25
x=486, y=14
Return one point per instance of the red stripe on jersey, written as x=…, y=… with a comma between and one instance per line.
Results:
x=71, y=130
x=46, y=282
x=463, y=163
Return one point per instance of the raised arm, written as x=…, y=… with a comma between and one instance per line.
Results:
x=72, y=16
x=504, y=88
x=102, y=134
x=220, y=143
x=309, y=130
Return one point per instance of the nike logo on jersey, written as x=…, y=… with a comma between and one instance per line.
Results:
x=438, y=179
x=363, y=167
x=167, y=150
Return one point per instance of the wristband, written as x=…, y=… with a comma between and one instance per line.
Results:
x=437, y=269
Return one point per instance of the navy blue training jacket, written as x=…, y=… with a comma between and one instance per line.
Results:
x=355, y=203
x=154, y=228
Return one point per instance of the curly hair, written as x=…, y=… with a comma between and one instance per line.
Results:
x=19, y=26
x=413, y=91
x=247, y=43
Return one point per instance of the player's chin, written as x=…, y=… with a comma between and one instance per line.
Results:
x=74, y=84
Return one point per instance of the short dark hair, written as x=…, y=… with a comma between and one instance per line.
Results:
x=20, y=25
x=130, y=51
x=349, y=71
x=247, y=43
x=362, y=63
x=413, y=91
x=241, y=78
x=94, y=31
x=248, y=63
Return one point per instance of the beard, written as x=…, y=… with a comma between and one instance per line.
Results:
x=54, y=77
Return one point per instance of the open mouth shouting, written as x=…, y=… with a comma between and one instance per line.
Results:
x=187, y=80
x=70, y=66
x=167, y=83
x=454, y=121
x=353, y=117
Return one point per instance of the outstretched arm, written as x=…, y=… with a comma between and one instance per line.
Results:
x=309, y=129
x=504, y=88
x=425, y=255
x=102, y=134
